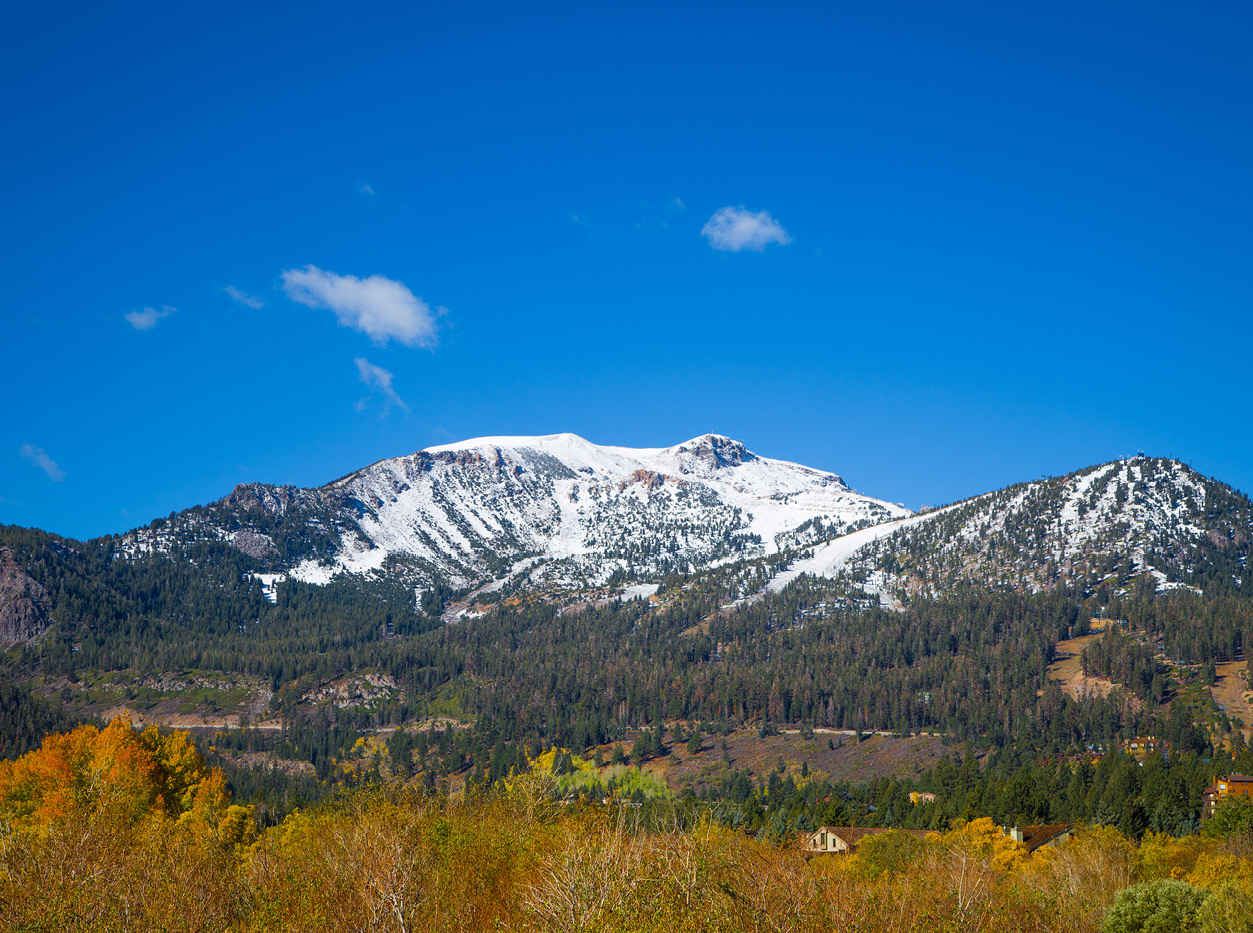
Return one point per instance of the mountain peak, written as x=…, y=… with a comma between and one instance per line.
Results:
x=710, y=438
x=512, y=442
x=550, y=509
x=1147, y=519
x=711, y=441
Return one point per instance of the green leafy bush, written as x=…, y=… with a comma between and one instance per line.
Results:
x=1163, y=906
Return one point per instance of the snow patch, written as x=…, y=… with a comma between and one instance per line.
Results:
x=310, y=571
x=830, y=558
x=640, y=590
x=268, y=583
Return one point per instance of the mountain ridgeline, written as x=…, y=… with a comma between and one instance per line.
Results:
x=1154, y=519
x=490, y=583
x=542, y=512
x=557, y=514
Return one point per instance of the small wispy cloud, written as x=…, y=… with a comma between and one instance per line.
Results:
x=37, y=456
x=737, y=228
x=379, y=381
x=148, y=317
x=658, y=215
x=377, y=306
x=366, y=190
x=251, y=301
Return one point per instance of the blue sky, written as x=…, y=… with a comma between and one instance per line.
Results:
x=968, y=244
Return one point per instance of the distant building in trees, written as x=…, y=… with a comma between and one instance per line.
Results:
x=1144, y=746
x=843, y=840
x=1234, y=785
x=1035, y=837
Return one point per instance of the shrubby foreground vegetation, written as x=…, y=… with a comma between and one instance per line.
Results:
x=110, y=829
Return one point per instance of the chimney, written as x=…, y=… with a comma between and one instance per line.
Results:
x=1016, y=834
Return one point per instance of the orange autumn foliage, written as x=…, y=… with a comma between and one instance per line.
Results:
x=111, y=768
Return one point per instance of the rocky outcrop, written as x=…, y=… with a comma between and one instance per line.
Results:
x=24, y=605
x=254, y=545
x=716, y=451
x=649, y=478
x=276, y=500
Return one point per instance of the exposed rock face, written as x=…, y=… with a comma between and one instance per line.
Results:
x=716, y=451
x=282, y=501
x=254, y=544
x=275, y=500
x=24, y=604
x=649, y=478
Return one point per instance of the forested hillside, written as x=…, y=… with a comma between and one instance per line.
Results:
x=969, y=664
x=360, y=678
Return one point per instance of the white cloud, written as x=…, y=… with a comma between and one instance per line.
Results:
x=252, y=301
x=148, y=317
x=737, y=228
x=366, y=190
x=37, y=456
x=379, y=380
x=377, y=306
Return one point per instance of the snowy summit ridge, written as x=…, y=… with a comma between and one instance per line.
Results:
x=553, y=509
x=592, y=510
x=559, y=512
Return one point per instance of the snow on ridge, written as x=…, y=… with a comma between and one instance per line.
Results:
x=570, y=449
x=701, y=502
x=566, y=444
x=1118, y=507
x=560, y=510
x=700, y=457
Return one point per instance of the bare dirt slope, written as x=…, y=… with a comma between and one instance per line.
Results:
x=1231, y=691
x=875, y=756
x=1067, y=669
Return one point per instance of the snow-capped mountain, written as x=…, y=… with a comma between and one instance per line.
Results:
x=555, y=509
x=1154, y=519
x=560, y=512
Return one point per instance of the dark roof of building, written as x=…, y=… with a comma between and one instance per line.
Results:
x=1229, y=779
x=1035, y=836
